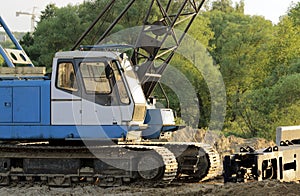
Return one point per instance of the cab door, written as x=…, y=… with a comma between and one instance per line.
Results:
x=65, y=95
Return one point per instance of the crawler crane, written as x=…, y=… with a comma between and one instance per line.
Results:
x=91, y=120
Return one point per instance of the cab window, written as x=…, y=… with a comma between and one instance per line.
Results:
x=124, y=98
x=94, y=78
x=66, y=78
x=103, y=83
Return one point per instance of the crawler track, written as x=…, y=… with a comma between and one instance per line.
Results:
x=103, y=165
x=111, y=165
x=196, y=161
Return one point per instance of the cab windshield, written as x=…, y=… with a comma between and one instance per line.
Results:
x=104, y=81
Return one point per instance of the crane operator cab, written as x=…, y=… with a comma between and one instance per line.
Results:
x=99, y=88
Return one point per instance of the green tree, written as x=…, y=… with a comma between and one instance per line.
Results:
x=240, y=47
x=285, y=49
x=57, y=31
x=276, y=101
x=267, y=108
x=49, y=12
x=294, y=13
x=224, y=6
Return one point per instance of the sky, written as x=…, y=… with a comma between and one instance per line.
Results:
x=270, y=9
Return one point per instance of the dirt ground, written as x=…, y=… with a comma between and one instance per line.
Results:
x=216, y=187
x=264, y=188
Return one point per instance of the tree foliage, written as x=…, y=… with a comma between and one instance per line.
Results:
x=274, y=100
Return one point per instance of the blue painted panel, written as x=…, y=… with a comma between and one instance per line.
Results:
x=62, y=132
x=26, y=104
x=30, y=102
x=5, y=104
x=45, y=103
